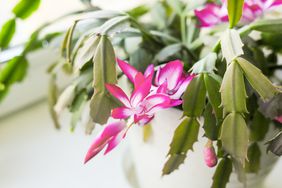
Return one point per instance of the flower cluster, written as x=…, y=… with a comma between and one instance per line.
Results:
x=150, y=95
x=213, y=14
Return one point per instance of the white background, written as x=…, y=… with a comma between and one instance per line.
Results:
x=51, y=9
x=35, y=155
x=32, y=153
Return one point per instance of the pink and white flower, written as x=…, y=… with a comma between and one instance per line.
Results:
x=144, y=102
x=134, y=75
x=140, y=105
x=254, y=8
x=170, y=83
x=213, y=14
x=171, y=80
x=110, y=137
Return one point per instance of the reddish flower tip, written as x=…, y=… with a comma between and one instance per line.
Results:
x=109, y=137
x=86, y=160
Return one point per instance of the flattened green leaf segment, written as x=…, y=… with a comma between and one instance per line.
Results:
x=258, y=81
x=231, y=45
x=7, y=32
x=222, y=173
x=235, y=8
x=26, y=8
x=195, y=97
x=235, y=136
x=104, y=71
x=233, y=91
x=184, y=137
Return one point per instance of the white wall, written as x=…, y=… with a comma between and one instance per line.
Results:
x=35, y=155
x=51, y=9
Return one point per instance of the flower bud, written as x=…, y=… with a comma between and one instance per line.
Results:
x=210, y=155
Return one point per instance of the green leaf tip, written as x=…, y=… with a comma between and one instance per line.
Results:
x=104, y=71
x=231, y=45
x=213, y=90
x=183, y=140
x=7, y=32
x=205, y=65
x=258, y=81
x=26, y=8
x=235, y=136
x=233, y=91
x=254, y=156
x=194, y=98
x=235, y=9
x=222, y=173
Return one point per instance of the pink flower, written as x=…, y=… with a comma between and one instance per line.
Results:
x=171, y=80
x=210, y=155
x=213, y=14
x=143, y=103
x=145, y=99
x=279, y=119
x=276, y=2
x=133, y=75
x=110, y=137
x=140, y=105
x=254, y=8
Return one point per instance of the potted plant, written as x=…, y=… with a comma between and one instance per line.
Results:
x=185, y=71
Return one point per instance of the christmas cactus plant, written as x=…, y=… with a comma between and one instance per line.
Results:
x=217, y=61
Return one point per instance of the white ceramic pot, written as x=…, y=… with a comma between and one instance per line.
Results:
x=149, y=158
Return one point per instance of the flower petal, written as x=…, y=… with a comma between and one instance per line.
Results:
x=114, y=142
x=175, y=102
x=156, y=99
x=103, y=138
x=95, y=148
x=143, y=119
x=209, y=15
x=138, y=80
x=182, y=87
x=251, y=12
x=158, y=107
x=141, y=92
x=127, y=69
x=118, y=93
x=171, y=72
x=121, y=113
x=157, y=102
x=149, y=71
x=276, y=3
x=162, y=88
